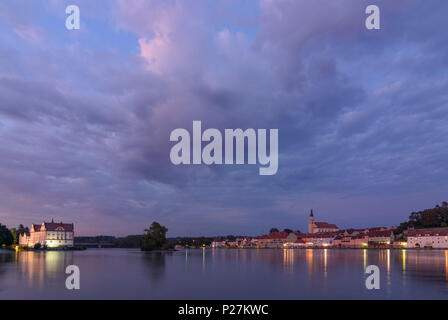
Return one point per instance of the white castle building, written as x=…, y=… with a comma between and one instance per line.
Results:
x=50, y=234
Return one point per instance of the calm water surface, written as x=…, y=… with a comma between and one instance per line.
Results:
x=225, y=274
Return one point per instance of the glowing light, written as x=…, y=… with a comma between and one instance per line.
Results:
x=388, y=260
x=325, y=262
x=365, y=258
x=446, y=264
x=404, y=259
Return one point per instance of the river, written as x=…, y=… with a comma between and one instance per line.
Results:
x=225, y=274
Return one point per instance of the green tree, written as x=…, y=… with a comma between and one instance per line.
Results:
x=288, y=231
x=155, y=237
x=273, y=230
x=17, y=232
x=428, y=218
x=23, y=230
x=131, y=241
x=15, y=235
x=6, y=237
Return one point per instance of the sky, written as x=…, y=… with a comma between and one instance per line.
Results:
x=86, y=115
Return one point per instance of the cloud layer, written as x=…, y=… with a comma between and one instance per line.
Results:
x=85, y=116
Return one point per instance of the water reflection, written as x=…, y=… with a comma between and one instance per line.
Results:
x=446, y=265
x=325, y=262
x=288, y=260
x=38, y=267
x=155, y=264
x=309, y=261
x=220, y=274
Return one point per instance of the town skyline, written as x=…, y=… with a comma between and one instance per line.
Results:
x=292, y=228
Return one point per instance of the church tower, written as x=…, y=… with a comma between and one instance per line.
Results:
x=311, y=223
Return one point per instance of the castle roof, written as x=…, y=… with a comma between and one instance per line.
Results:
x=428, y=232
x=54, y=226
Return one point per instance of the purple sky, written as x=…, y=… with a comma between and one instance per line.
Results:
x=85, y=115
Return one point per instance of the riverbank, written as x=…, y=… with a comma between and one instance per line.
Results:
x=329, y=248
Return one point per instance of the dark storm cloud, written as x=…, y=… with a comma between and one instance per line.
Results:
x=85, y=121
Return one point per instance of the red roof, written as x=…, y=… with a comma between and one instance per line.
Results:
x=275, y=235
x=384, y=233
x=428, y=232
x=278, y=235
x=322, y=234
x=325, y=225
x=53, y=226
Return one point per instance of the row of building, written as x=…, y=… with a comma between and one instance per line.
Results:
x=320, y=234
x=323, y=234
x=345, y=238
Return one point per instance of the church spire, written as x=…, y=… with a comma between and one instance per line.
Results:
x=311, y=222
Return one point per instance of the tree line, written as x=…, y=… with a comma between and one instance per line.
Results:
x=436, y=217
x=11, y=236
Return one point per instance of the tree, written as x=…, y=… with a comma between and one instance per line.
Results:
x=155, y=237
x=273, y=230
x=428, y=218
x=23, y=230
x=6, y=237
x=15, y=235
x=288, y=231
x=17, y=232
x=131, y=241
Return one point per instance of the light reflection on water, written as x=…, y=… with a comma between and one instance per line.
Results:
x=226, y=274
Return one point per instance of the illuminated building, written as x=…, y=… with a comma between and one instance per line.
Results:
x=317, y=227
x=50, y=234
x=428, y=238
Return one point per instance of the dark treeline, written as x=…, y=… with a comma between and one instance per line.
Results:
x=6, y=237
x=131, y=241
x=191, y=241
x=436, y=217
x=11, y=236
x=95, y=239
